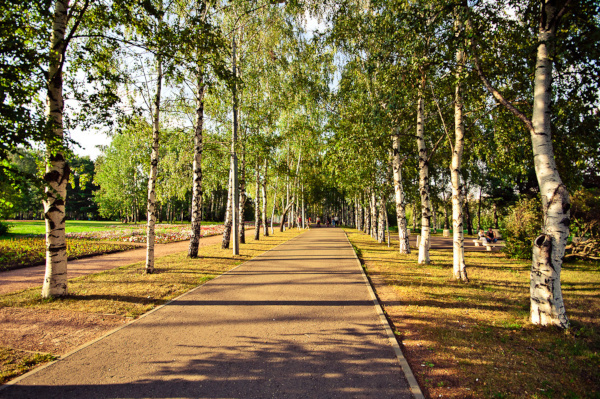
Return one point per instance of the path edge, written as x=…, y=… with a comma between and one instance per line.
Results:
x=415, y=389
x=115, y=330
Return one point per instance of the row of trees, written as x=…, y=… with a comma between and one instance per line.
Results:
x=147, y=71
x=449, y=92
x=420, y=103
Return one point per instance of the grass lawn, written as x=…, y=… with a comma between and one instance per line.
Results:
x=31, y=251
x=474, y=340
x=129, y=292
x=21, y=227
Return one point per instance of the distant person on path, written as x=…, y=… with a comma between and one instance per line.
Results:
x=491, y=236
x=336, y=220
x=333, y=222
x=318, y=222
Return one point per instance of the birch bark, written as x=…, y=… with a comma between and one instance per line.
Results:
x=303, y=210
x=227, y=225
x=257, y=204
x=356, y=213
x=459, y=267
x=243, y=197
x=234, y=172
x=547, y=306
x=274, y=204
x=57, y=169
x=150, y=230
x=367, y=219
x=373, y=213
x=423, y=186
x=404, y=246
x=285, y=213
x=197, y=166
x=380, y=220
x=264, y=201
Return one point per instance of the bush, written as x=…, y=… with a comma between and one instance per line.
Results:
x=523, y=225
x=585, y=224
x=4, y=228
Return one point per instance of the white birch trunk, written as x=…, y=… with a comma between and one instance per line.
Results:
x=274, y=203
x=404, y=246
x=257, y=204
x=234, y=172
x=547, y=306
x=150, y=233
x=423, y=187
x=57, y=169
x=197, y=166
x=387, y=229
x=227, y=226
x=284, y=215
x=367, y=219
x=243, y=197
x=264, y=202
x=373, y=214
x=380, y=220
x=303, y=210
x=458, y=246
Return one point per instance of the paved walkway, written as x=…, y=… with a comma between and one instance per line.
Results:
x=20, y=279
x=296, y=322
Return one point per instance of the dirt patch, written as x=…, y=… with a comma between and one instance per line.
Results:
x=52, y=331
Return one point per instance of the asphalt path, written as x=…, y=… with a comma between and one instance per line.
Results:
x=295, y=322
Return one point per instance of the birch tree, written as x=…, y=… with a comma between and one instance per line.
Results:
x=57, y=169
x=547, y=306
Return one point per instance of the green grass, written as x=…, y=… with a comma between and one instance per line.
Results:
x=478, y=335
x=21, y=252
x=18, y=227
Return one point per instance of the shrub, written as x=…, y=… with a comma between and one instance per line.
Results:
x=523, y=225
x=4, y=227
x=585, y=224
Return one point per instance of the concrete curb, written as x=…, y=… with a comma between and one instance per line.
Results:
x=415, y=389
x=111, y=332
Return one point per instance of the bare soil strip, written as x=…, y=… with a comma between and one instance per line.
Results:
x=297, y=321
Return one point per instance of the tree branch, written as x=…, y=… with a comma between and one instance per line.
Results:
x=500, y=98
x=77, y=23
x=441, y=117
x=435, y=147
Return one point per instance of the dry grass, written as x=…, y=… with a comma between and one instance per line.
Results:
x=128, y=291
x=15, y=362
x=474, y=340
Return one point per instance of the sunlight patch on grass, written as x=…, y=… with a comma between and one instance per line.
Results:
x=477, y=335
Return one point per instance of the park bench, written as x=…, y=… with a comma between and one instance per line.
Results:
x=488, y=245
